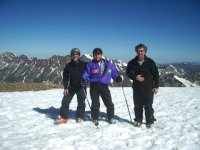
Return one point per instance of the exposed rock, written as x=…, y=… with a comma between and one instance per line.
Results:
x=33, y=70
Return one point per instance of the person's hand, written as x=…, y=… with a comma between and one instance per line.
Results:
x=155, y=90
x=140, y=78
x=66, y=91
x=119, y=79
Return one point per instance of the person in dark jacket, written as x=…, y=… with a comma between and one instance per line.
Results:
x=144, y=73
x=72, y=80
x=99, y=73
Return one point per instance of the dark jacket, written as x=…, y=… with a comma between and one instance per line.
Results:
x=72, y=74
x=148, y=70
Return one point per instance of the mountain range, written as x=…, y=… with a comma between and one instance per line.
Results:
x=23, y=69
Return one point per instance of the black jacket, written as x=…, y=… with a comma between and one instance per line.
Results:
x=72, y=74
x=148, y=70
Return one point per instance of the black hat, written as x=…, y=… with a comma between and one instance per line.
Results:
x=97, y=51
x=75, y=50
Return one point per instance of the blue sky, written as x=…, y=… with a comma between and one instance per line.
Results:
x=42, y=28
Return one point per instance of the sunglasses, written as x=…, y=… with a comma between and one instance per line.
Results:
x=140, y=51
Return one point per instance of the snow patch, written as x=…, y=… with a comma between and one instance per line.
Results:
x=185, y=82
x=40, y=72
x=88, y=56
x=17, y=66
x=175, y=69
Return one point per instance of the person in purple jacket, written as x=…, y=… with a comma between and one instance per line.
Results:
x=99, y=72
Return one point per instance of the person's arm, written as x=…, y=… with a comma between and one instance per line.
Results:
x=115, y=73
x=86, y=74
x=130, y=72
x=66, y=79
x=155, y=74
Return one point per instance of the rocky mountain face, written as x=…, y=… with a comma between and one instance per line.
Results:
x=23, y=69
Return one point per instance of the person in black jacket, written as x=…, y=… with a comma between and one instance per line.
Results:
x=144, y=73
x=72, y=80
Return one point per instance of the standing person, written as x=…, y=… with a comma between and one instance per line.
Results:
x=99, y=73
x=144, y=73
x=72, y=80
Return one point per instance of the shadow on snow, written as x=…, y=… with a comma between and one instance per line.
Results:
x=53, y=113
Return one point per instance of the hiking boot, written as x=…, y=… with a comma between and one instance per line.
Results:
x=96, y=122
x=149, y=125
x=137, y=124
x=112, y=121
x=79, y=120
x=61, y=121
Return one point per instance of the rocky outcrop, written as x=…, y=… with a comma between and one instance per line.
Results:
x=33, y=70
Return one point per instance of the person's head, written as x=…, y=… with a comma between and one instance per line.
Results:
x=97, y=54
x=75, y=54
x=141, y=50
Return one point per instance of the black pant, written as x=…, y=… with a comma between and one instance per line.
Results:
x=96, y=90
x=143, y=100
x=64, y=110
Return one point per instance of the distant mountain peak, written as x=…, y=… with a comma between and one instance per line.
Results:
x=8, y=54
x=21, y=68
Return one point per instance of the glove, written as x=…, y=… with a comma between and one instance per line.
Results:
x=119, y=79
x=83, y=83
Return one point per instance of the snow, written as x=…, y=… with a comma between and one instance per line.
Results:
x=122, y=63
x=3, y=65
x=175, y=69
x=52, y=70
x=27, y=122
x=88, y=56
x=17, y=66
x=40, y=72
x=91, y=57
x=8, y=56
x=185, y=82
x=24, y=79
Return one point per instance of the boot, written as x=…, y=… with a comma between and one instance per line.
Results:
x=61, y=121
x=112, y=121
x=79, y=120
x=137, y=124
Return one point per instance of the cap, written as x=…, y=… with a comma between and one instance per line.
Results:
x=97, y=51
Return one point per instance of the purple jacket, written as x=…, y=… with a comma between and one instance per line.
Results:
x=93, y=72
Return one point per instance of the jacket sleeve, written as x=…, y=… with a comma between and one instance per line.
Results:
x=130, y=72
x=155, y=74
x=115, y=72
x=66, y=77
x=86, y=74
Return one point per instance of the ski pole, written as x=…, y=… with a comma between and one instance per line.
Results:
x=86, y=98
x=97, y=125
x=126, y=102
